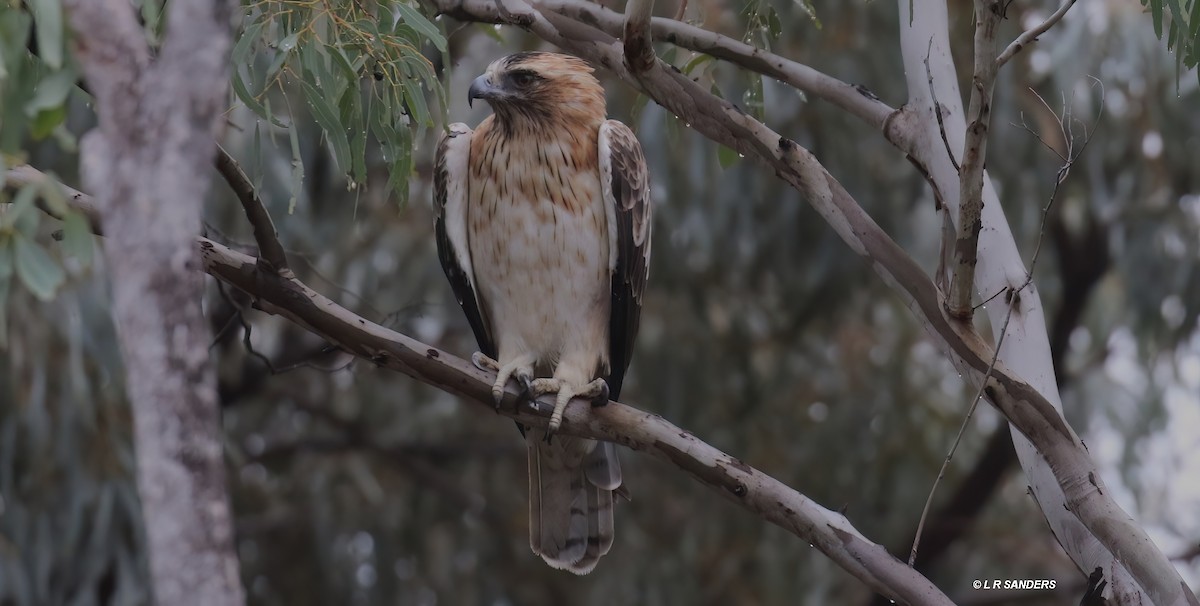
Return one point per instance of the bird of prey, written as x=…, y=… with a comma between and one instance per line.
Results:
x=543, y=230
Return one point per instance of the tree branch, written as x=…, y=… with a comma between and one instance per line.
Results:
x=966, y=248
x=1030, y=36
x=270, y=251
x=853, y=99
x=22, y=175
x=829, y=531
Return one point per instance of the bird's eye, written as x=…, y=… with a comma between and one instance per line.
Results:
x=523, y=78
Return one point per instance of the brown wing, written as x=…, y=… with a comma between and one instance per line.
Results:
x=450, y=201
x=625, y=183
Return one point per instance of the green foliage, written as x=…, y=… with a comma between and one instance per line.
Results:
x=23, y=257
x=359, y=71
x=34, y=87
x=1181, y=21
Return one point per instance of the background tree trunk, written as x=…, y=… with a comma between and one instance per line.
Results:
x=148, y=162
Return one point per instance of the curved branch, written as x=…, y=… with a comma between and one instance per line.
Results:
x=270, y=251
x=1030, y=36
x=831, y=532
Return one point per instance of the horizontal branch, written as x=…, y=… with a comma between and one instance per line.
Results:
x=618, y=423
x=22, y=175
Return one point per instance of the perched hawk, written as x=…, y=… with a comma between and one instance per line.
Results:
x=543, y=229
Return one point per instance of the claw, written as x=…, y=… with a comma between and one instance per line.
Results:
x=526, y=381
x=601, y=398
x=592, y=391
x=483, y=362
x=521, y=367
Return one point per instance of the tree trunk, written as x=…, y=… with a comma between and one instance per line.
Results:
x=148, y=162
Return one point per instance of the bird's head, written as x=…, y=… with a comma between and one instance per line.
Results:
x=540, y=86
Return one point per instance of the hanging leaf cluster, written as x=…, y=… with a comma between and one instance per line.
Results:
x=357, y=67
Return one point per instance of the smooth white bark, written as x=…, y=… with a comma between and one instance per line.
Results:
x=1026, y=347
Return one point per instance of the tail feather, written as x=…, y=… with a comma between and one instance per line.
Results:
x=570, y=514
x=600, y=529
x=602, y=466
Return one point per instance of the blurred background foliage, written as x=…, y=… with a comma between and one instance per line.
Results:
x=761, y=332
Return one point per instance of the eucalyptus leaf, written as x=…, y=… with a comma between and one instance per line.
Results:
x=727, y=156
x=46, y=121
x=334, y=131
x=21, y=215
x=491, y=31
x=243, y=93
x=51, y=92
x=424, y=26
x=14, y=35
x=414, y=95
x=53, y=195
x=349, y=71
x=696, y=62
x=77, y=238
x=250, y=34
x=39, y=272
x=297, y=167
x=48, y=22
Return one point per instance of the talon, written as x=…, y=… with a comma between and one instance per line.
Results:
x=519, y=367
x=483, y=362
x=601, y=398
x=526, y=394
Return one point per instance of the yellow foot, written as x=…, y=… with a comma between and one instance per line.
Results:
x=521, y=368
x=596, y=391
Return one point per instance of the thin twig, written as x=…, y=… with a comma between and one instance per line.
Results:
x=937, y=112
x=241, y=319
x=269, y=248
x=1031, y=35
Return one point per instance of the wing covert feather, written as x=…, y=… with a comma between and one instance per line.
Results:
x=451, y=170
x=625, y=183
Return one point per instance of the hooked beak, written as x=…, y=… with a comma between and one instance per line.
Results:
x=481, y=88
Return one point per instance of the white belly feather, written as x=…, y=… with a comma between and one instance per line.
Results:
x=541, y=267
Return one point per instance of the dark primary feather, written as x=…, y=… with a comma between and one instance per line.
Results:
x=460, y=282
x=630, y=190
